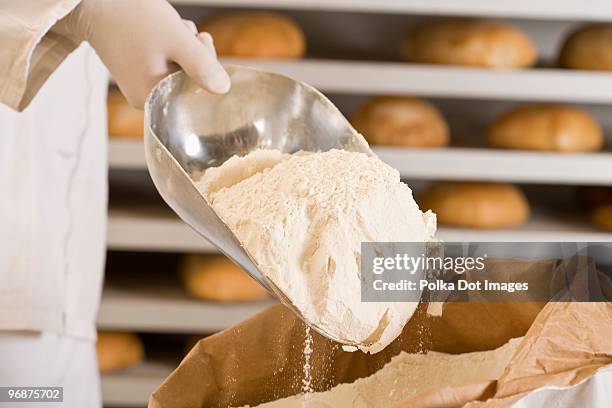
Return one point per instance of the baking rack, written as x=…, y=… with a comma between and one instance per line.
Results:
x=162, y=308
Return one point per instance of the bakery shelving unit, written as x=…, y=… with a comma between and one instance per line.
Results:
x=356, y=77
x=163, y=231
x=595, y=10
x=454, y=164
x=132, y=387
x=168, y=310
x=136, y=228
x=145, y=228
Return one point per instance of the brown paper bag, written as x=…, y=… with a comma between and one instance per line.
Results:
x=262, y=359
x=567, y=343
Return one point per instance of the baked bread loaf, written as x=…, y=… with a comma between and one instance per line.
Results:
x=546, y=127
x=589, y=47
x=117, y=350
x=476, y=205
x=255, y=34
x=400, y=121
x=469, y=42
x=123, y=120
x=602, y=217
x=214, y=277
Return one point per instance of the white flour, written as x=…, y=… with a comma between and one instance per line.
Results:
x=307, y=368
x=302, y=218
x=407, y=375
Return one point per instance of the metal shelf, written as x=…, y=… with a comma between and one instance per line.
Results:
x=401, y=78
x=597, y=10
x=359, y=77
x=165, y=232
x=147, y=229
x=132, y=387
x=540, y=228
x=167, y=309
x=126, y=154
x=455, y=164
x=501, y=165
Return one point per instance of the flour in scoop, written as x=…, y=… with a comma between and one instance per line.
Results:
x=302, y=218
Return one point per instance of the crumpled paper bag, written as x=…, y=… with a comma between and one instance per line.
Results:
x=261, y=359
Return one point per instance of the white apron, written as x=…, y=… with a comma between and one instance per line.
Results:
x=53, y=198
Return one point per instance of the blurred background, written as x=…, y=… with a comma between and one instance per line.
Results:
x=497, y=114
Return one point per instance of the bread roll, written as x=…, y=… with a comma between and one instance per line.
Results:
x=548, y=127
x=398, y=121
x=214, y=277
x=589, y=47
x=123, y=120
x=469, y=42
x=476, y=205
x=602, y=217
x=255, y=34
x=118, y=350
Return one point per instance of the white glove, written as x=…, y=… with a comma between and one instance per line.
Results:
x=139, y=40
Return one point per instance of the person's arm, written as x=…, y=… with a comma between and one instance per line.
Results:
x=140, y=41
x=29, y=53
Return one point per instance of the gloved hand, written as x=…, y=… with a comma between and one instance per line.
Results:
x=139, y=40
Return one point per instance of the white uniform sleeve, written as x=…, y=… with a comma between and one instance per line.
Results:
x=29, y=52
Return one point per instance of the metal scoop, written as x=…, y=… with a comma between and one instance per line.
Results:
x=188, y=130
